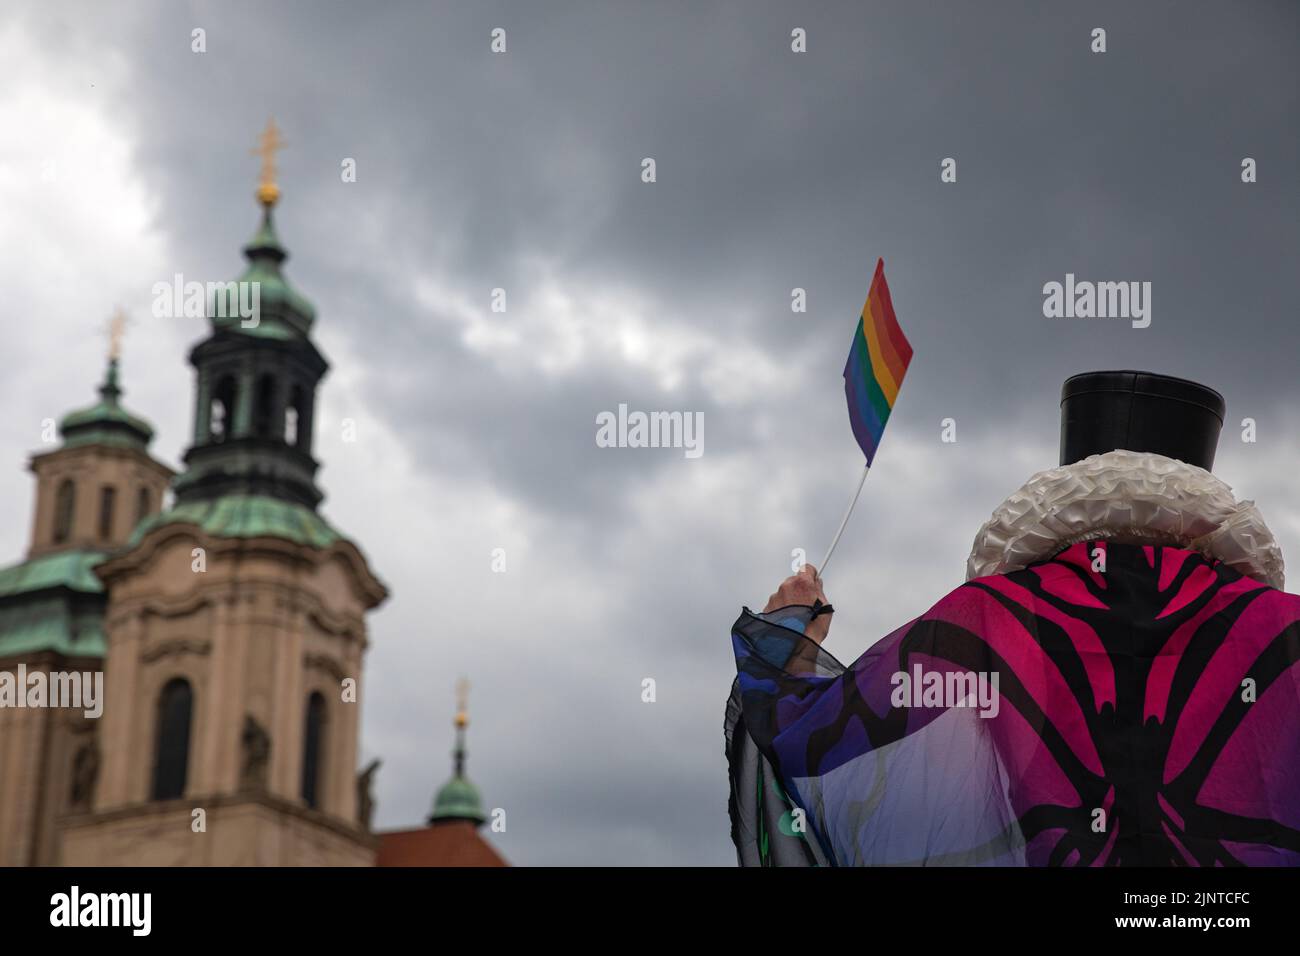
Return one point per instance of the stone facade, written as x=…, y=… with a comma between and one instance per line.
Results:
x=38, y=751
x=242, y=830
x=138, y=484
x=265, y=625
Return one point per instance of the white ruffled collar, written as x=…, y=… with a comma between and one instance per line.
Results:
x=1128, y=496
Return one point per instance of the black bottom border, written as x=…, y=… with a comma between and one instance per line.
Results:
x=213, y=905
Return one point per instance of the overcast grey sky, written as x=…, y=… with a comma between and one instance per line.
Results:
x=125, y=160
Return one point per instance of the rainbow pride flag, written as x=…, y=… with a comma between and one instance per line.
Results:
x=877, y=363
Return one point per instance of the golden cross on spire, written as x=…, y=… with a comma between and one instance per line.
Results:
x=268, y=144
x=116, y=329
x=462, y=702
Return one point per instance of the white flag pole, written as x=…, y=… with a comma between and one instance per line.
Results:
x=821, y=571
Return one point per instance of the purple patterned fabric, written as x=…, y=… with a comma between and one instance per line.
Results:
x=1116, y=705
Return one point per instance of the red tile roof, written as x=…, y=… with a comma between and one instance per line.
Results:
x=449, y=843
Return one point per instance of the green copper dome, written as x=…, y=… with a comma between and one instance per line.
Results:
x=284, y=313
x=73, y=570
x=53, y=603
x=246, y=516
x=106, y=422
x=458, y=799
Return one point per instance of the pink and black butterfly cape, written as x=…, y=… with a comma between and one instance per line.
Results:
x=1147, y=713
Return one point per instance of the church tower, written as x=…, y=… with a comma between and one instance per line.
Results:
x=91, y=491
x=458, y=799
x=452, y=836
x=235, y=622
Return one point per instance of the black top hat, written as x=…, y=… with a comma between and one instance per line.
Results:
x=1140, y=411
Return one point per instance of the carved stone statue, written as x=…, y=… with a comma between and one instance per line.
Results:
x=85, y=771
x=256, y=746
x=365, y=798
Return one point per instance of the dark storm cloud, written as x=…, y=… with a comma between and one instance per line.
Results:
x=775, y=171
